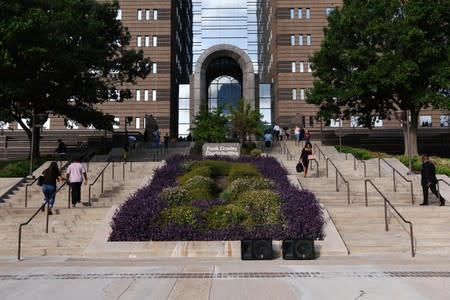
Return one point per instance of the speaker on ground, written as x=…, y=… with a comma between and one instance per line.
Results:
x=256, y=249
x=298, y=249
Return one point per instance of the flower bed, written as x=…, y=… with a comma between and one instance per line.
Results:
x=139, y=218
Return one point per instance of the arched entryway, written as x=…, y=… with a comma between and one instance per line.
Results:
x=219, y=71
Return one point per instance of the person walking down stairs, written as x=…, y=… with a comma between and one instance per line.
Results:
x=76, y=175
x=429, y=181
x=51, y=175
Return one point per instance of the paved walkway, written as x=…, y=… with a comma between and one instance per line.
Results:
x=225, y=278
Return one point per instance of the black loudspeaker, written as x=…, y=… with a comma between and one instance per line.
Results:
x=298, y=249
x=256, y=249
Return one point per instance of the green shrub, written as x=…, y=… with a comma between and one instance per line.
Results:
x=255, y=152
x=174, y=195
x=203, y=171
x=263, y=206
x=222, y=216
x=242, y=170
x=244, y=184
x=217, y=167
x=180, y=215
x=199, y=188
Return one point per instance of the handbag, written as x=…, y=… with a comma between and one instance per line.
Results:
x=311, y=157
x=40, y=180
x=299, y=167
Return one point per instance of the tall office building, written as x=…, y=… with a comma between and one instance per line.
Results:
x=212, y=53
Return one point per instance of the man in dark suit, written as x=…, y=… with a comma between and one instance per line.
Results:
x=429, y=180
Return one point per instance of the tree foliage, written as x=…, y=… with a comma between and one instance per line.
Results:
x=210, y=126
x=245, y=121
x=379, y=56
x=66, y=57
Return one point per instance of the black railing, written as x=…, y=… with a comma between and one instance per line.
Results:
x=123, y=168
x=362, y=161
x=100, y=175
x=386, y=224
x=337, y=179
x=317, y=149
x=394, y=171
x=42, y=207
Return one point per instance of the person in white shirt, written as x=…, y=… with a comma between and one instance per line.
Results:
x=75, y=175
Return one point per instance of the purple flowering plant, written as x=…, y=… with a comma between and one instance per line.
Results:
x=138, y=219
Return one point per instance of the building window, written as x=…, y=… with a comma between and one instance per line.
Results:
x=302, y=94
x=444, y=120
x=300, y=39
x=328, y=10
x=300, y=13
x=292, y=12
x=139, y=41
x=155, y=14
x=138, y=95
x=292, y=40
x=155, y=41
x=145, y=95
x=425, y=121
x=138, y=123
x=147, y=14
x=154, y=68
x=119, y=14
x=309, y=67
x=308, y=40
x=139, y=14
x=147, y=41
x=153, y=95
x=302, y=67
x=293, y=67
x=308, y=13
x=294, y=94
x=116, y=123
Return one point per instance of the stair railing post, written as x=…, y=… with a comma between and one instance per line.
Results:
x=393, y=175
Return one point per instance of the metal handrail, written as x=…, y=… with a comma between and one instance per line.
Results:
x=26, y=190
x=362, y=161
x=286, y=150
x=317, y=166
x=26, y=223
x=123, y=168
x=386, y=201
x=101, y=174
x=340, y=174
x=320, y=151
x=439, y=191
x=394, y=170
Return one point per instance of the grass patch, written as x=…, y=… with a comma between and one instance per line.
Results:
x=20, y=168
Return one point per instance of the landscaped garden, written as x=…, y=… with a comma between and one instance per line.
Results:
x=218, y=198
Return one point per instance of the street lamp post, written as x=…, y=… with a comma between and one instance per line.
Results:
x=37, y=121
x=403, y=117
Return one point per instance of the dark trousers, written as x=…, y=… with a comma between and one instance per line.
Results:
x=433, y=190
x=76, y=192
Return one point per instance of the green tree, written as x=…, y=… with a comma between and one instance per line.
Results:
x=210, y=126
x=379, y=56
x=64, y=57
x=245, y=121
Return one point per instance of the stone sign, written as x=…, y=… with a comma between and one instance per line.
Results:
x=223, y=149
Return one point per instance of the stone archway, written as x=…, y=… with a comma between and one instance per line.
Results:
x=199, y=80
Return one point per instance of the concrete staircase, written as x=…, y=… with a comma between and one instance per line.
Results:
x=363, y=228
x=70, y=229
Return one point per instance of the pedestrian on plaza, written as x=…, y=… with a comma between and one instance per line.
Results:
x=51, y=175
x=267, y=139
x=76, y=175
x=307, y=136
x=297, y=135
x=276, y=132
x=166, y=142
x=429, y=180
x=61, y=150
x=304, y=157
x=126, y=150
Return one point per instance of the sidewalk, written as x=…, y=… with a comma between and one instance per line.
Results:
x=225, y=278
